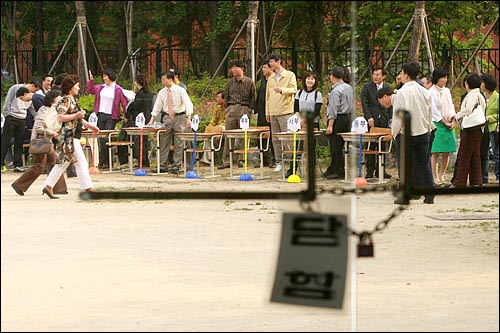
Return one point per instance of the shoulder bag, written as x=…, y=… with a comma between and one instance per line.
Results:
x=475, y=118
x=40, y=145
x=51, y=120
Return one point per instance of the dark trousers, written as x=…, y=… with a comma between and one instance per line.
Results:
x=336, y=143
x=13, y=128
x=485, y=154
x=469, y=158
x=269, y=154
x=104, y=122
x=421, y=171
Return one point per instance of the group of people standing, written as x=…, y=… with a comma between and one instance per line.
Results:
x=429, y=102
x=433, y=121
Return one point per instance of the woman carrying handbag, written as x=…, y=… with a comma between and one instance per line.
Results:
x=40, y=160
x=469, y=151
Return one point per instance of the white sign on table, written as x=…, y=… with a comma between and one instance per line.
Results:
x=140, y=120
x=93, y=119
x=195, y=122
x=244, y=122
x=293, y=123
x=359, y=125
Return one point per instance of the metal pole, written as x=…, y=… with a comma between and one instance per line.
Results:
x=427, y=42
x=83, y=52
x=62, y=49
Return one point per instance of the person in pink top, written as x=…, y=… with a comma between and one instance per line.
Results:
x=109, y=105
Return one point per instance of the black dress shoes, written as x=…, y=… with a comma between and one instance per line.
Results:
x=61, y=193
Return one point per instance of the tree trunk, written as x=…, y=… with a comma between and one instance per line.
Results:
x=416, y=37
x=82, y=44
x=215, y=45
x=129, y=18
x=250, y=49
x=41, y=58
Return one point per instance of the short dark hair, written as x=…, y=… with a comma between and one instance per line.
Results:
x=50, y=96
x=379, y=68
x=110, y=73
x=238, y=63
x=170, y=75
x=59, y=78
x=21, y=91
x=338, y=72
x=385, y=90
x=36, y=81
x=438, y=73
x=490, y=83
x=314, y=75
x=411, y=69
x=275, y=57
x=473, y=80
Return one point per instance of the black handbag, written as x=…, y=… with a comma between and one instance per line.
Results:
x=40, y=145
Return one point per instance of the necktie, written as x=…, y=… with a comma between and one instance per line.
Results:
x=170, y=104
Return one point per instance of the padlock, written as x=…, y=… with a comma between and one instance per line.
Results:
x=365, y=245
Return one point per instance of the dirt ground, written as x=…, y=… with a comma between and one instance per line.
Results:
x=208, y=265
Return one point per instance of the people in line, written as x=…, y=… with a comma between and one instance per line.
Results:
x=469, y=151
x=417, y=101
x=16, y=108
x=443, y=114
x=109, y=106
x=68, y=148
x=260, y=110
x=142, y=103
x=22, y=184
x=338, y=113
x=308, y=101
x=375, y=114
x=280, y=96
x=239, y=99
x=173, y=108
x=217, y=125
x=489, y=85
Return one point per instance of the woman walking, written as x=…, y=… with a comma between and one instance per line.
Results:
x=39, y=130
x=69, y=148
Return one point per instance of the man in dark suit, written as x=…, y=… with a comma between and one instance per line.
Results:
x=375, y=114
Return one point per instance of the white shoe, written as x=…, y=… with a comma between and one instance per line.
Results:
x=278, y=167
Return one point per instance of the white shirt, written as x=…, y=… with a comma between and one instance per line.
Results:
x=107, y=95
x=180, y=101
x=437, y=113
x=417, y=100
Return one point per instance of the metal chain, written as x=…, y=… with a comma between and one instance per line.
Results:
x=365, y=189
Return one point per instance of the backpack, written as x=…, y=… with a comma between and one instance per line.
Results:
x=315, y=94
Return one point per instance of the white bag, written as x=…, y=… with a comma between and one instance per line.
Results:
x=51, y=120
x=476, y=118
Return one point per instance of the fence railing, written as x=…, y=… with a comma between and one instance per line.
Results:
x=194, y=62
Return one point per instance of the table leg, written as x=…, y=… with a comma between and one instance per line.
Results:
x=346, y=159
x=130, y=153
